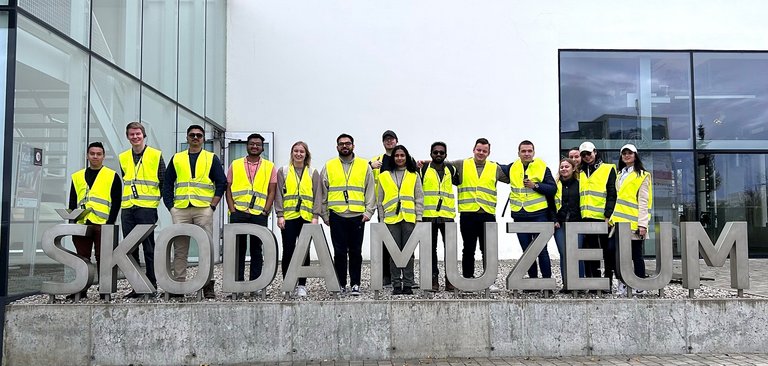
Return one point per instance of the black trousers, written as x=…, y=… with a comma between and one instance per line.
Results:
x=599, y=241
x=290, y=235
x=241, y=244
x=473, y=229
x=133, y=216
x=347, y=237
x=438, y=226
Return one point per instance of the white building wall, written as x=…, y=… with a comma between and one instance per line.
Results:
x=443, y=70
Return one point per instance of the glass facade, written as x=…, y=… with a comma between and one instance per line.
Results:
x=83, y=70
x=699, y=120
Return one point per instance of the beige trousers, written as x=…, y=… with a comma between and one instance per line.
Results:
x=200, y=216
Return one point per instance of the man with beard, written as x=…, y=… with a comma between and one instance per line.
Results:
x=597, y=187
x=438, y=178
x=251, y=183
x=194, y=184
x=348, y=203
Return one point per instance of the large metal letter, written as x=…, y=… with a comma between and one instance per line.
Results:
x=491, y=257
x=515, y=280
x=269, y=250
x=311, y=233
x=76, y=214
x=163, y=256
x=85, y=272
x=421, y=236
x=733, y=240
x=573, y=254
x=112, y=259
x=625, y=267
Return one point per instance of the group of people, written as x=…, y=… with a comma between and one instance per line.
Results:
x=349, y=190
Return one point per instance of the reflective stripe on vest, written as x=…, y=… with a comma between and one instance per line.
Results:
x=352, y=182
x=143, y=178
x=197, y=191
x=98, y=197
x=559, y=196
x=399, y=203
x=475, y=192
x=627, y=209
x=521, y=197
x=376, y=173
x=593, y=192
x=298, y=197
x=250, y=197
x=438, y=194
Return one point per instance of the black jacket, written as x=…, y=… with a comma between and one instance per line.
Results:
x=570, y=210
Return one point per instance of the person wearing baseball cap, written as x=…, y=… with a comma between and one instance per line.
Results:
x=633, y=205
x=597, y=187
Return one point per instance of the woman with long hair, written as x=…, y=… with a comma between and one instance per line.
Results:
x=567, y=209
x=298, y=202
x=400, y=206
x=634, y=188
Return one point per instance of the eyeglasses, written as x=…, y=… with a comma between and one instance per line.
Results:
x=438, y=152
x=347, y=143
x=259, y=144
x=195, y=135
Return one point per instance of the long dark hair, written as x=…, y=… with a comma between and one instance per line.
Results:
x=410, y=164
x=638, y=167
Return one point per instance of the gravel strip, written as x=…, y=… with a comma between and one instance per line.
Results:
x=317, y=291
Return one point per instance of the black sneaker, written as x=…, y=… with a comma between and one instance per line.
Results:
x=132, y=295
x=397, y=290
x=355, y=290
x=407, y=290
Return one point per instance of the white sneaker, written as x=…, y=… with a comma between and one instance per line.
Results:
x=494, y=288
x=301, y=291
x=621, y=289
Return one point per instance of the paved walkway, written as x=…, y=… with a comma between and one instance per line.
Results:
x=710, y=359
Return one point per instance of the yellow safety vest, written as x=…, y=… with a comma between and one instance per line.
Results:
x=143, y=178
x=98, y=197
x=520, y=197
x=250, y=196
x=353, y=184
x=197, y=191
x=559, y=196
x=475, y=192
x=376, y=173
x=438, y=194
x=398, y=203
x=298, y=196
x=593, y=192
x=627, y=209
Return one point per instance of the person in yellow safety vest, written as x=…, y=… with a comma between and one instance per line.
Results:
x=531, y=186
x=476, y=201
x=437, y=179
x=251, y=186
x=348, y=203
x=299, y=201
x=633, y=205
x=193, y=185
x=98, y=188
x=400, y=206
x=597, y=188
x=378, y=164
x=142, y=168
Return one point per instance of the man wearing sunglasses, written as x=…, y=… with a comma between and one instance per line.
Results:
x=437, y=180
x=194, y=184
x=597, y=187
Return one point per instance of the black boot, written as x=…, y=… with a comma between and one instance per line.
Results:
x=208, y=292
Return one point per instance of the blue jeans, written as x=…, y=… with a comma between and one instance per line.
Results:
x=560, y=241
x=525, y=241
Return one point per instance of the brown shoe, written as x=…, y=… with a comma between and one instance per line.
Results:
x=435, y=284
x=208, y=292
x=448, y=285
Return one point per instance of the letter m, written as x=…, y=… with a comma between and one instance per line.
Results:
x=732, y=243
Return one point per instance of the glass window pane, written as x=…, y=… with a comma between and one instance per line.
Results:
x=116, y=32
x=192, y=54
x=731, y=91
x=50, y=120
x=3, y=77
x=114, y=103
x=733, y=188
x=68, y=16
x=158, y=61
x=158, y=115
x=612, y=98
x=215, y=64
